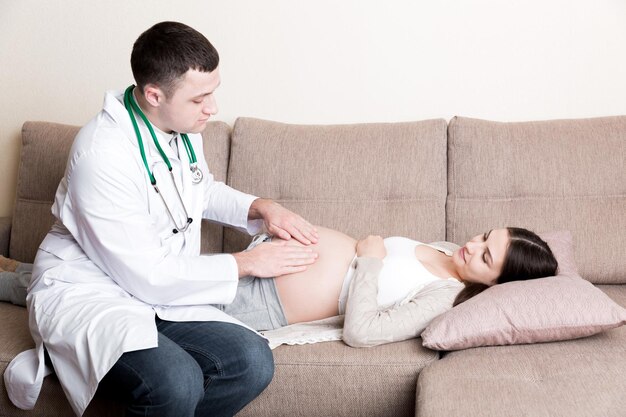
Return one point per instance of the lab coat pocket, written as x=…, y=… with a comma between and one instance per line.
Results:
x=63, y=261
x=53, y=256
x=57, y=301
x=65, y=249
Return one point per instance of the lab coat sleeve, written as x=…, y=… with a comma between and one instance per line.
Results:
x=366, y=324
x=229, y=207
x=222, y=203
x=107, y=205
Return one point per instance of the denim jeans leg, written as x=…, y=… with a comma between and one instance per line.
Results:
x=237, y=364
x=162, y=381
x=198, y=369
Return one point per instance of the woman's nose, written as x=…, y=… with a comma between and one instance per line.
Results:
x=471, y=246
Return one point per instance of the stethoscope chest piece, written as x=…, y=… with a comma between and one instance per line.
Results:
x=196, y=174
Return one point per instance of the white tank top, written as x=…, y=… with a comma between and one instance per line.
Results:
x=402, y=273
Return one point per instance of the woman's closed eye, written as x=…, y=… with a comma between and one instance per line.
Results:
x=485, y=237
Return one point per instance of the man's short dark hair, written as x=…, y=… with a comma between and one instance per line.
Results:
x=165, y=52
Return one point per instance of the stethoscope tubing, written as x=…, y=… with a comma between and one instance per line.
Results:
x=131, y=104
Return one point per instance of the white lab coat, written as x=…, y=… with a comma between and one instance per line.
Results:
x=111, y=260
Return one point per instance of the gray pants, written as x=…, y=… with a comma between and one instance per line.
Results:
x=13, y=285
x=257, y=303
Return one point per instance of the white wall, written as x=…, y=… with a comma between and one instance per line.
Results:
x=323, y=61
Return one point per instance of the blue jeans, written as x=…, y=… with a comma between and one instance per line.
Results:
x=198, y=369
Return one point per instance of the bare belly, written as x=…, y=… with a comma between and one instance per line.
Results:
x=314, y=293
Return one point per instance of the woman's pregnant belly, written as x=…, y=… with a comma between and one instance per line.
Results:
x=314, y=293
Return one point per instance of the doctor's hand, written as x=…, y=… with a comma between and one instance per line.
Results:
x=271, y=259
x=281, y=222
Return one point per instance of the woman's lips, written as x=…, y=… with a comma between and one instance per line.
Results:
x=463, y=254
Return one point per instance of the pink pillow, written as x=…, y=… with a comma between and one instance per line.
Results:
x=541, y=310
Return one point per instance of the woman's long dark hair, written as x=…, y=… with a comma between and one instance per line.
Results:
x=527, y=257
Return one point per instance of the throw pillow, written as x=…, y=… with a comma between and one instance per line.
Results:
x=541, y=310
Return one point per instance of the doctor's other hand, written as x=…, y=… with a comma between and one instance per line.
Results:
x=283, y=223
x=371, y=247
x=271, y=259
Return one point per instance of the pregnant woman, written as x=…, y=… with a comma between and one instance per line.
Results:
x=389, y=289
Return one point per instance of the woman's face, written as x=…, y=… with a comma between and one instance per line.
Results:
x=481, y=259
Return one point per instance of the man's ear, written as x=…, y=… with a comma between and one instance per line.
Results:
x=153, y=95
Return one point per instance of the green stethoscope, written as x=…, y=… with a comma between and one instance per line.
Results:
x=196, y=173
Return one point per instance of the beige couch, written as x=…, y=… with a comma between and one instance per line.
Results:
x=427, y=180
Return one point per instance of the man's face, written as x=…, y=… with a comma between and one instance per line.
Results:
x=189, y=107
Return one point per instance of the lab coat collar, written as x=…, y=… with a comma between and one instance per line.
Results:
x=114, y=107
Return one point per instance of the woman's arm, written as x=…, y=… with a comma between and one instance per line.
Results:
x=365, y=325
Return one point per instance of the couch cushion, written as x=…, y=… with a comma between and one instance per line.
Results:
x=385, y=178
x=45, y=147
x=616, y=292
x=376, y=379
x=5, y=234
x=584, y=377
x=15, y=338
x=331, y=379
x=549, y=175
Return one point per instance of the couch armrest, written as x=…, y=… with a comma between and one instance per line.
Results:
x=5, y=234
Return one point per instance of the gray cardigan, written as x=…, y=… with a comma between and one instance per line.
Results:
x=367, y=325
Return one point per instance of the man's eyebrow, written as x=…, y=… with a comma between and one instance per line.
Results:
x=210, y=92
x=201, y=95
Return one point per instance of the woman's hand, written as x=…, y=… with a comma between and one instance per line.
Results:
x=371, y=247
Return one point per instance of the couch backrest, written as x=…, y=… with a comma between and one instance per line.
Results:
x=386, y=178
x=391, y=179
x=43, y=156
x=548, y=175
x=216, y=142
x=45, y=147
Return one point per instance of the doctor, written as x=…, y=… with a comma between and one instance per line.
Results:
x=120, y=293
